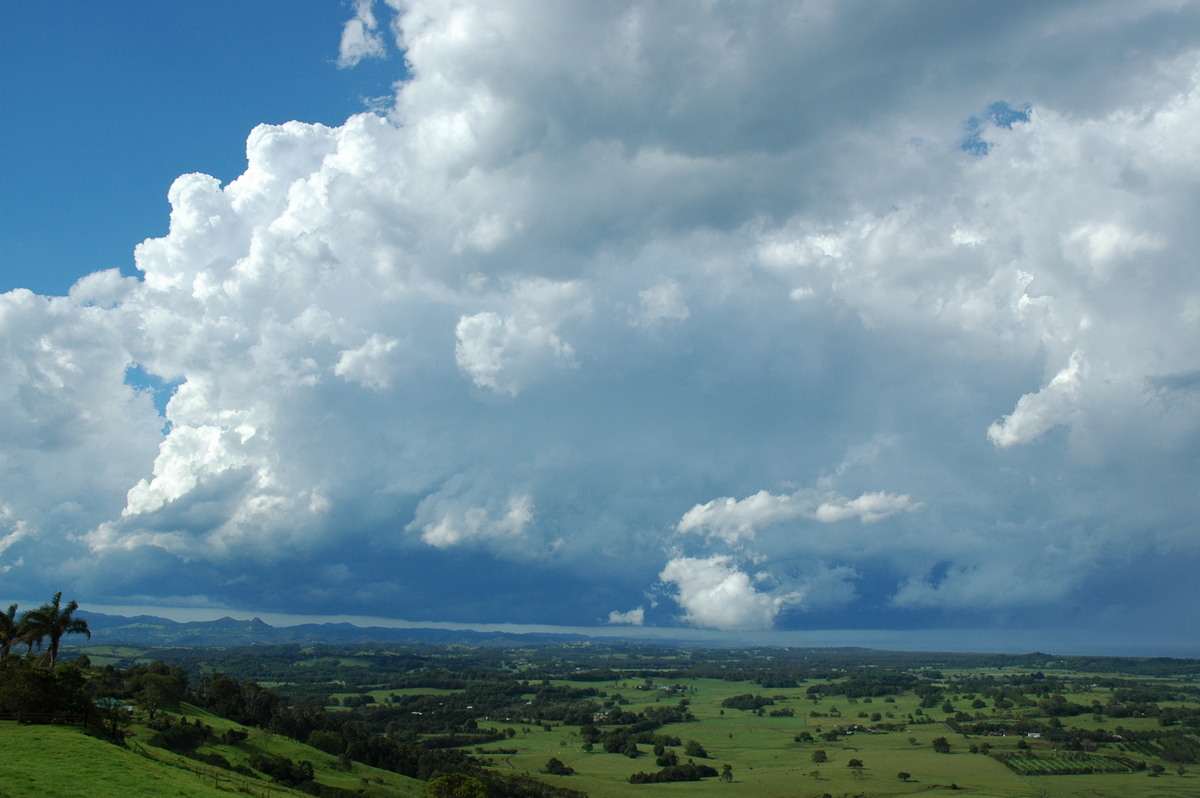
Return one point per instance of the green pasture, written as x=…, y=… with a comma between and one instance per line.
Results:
x=100, y=656
x=65, y=762
x=768, y=762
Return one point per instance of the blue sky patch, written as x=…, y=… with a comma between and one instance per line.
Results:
x=999, y=114
x=160, y=390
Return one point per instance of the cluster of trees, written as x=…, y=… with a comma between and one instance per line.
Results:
x=348, y=735
x=747, y=701
x=686, y=772
x=49, y=622
x=38, y=686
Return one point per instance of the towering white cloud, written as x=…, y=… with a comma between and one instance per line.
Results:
x=714, y=593
x=597, y=264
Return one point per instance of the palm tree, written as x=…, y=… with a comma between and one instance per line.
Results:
x=53, y=621
x=28, y=633
x=10, y=630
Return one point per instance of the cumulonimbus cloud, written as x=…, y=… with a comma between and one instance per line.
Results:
x=597, y=264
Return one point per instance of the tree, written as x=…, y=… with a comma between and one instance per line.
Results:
x=52, y=620
x=941, y=745
x=28, y=633
x=116, y=718
x=854, y=763
x=727, y=772
x=694, y=748
x=327, y=741
x=555, y=767
x=455, y=785
x=10, y=630
x=819, y=756
x=903, y=776
x=160, y=690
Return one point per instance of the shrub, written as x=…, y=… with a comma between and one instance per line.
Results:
x=182, y=736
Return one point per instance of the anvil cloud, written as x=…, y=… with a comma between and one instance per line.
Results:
x=743, y=316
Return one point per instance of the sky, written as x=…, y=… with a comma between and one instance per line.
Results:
x=870, y=320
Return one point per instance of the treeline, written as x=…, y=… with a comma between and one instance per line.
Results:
x=32, y=688
x=351, y=737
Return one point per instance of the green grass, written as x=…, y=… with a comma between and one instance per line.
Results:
x=64, y=762
x=768, y=763
x=375, y=782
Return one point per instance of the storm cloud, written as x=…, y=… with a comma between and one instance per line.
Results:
x=742, y=316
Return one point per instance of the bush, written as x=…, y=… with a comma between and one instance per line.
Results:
x=283, y=770
x=182, y=736
x=747, y=701
x=216, y=760
x=234, y=736
x=327, y=741
x=688, y=772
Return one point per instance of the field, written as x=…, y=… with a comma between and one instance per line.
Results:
x=769, y=724
x=768, y=763
x=64, y=762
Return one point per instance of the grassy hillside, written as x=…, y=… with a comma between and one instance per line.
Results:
x=66, y=762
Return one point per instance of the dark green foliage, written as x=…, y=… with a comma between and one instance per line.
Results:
x=39, y=693
x=747, y=701
x=694, y=749
x=555, y=767
x=234, y=736
x=182, y=736
x=10, y=630
x=52, y=621
x=283, y=770
x=327, y=741
x=1178, y=748
x=455, y=785
x=216, y=760
x=158, y=687
x=246, y=703
x=688, y=772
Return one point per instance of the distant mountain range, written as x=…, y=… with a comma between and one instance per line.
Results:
x=148, y=630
